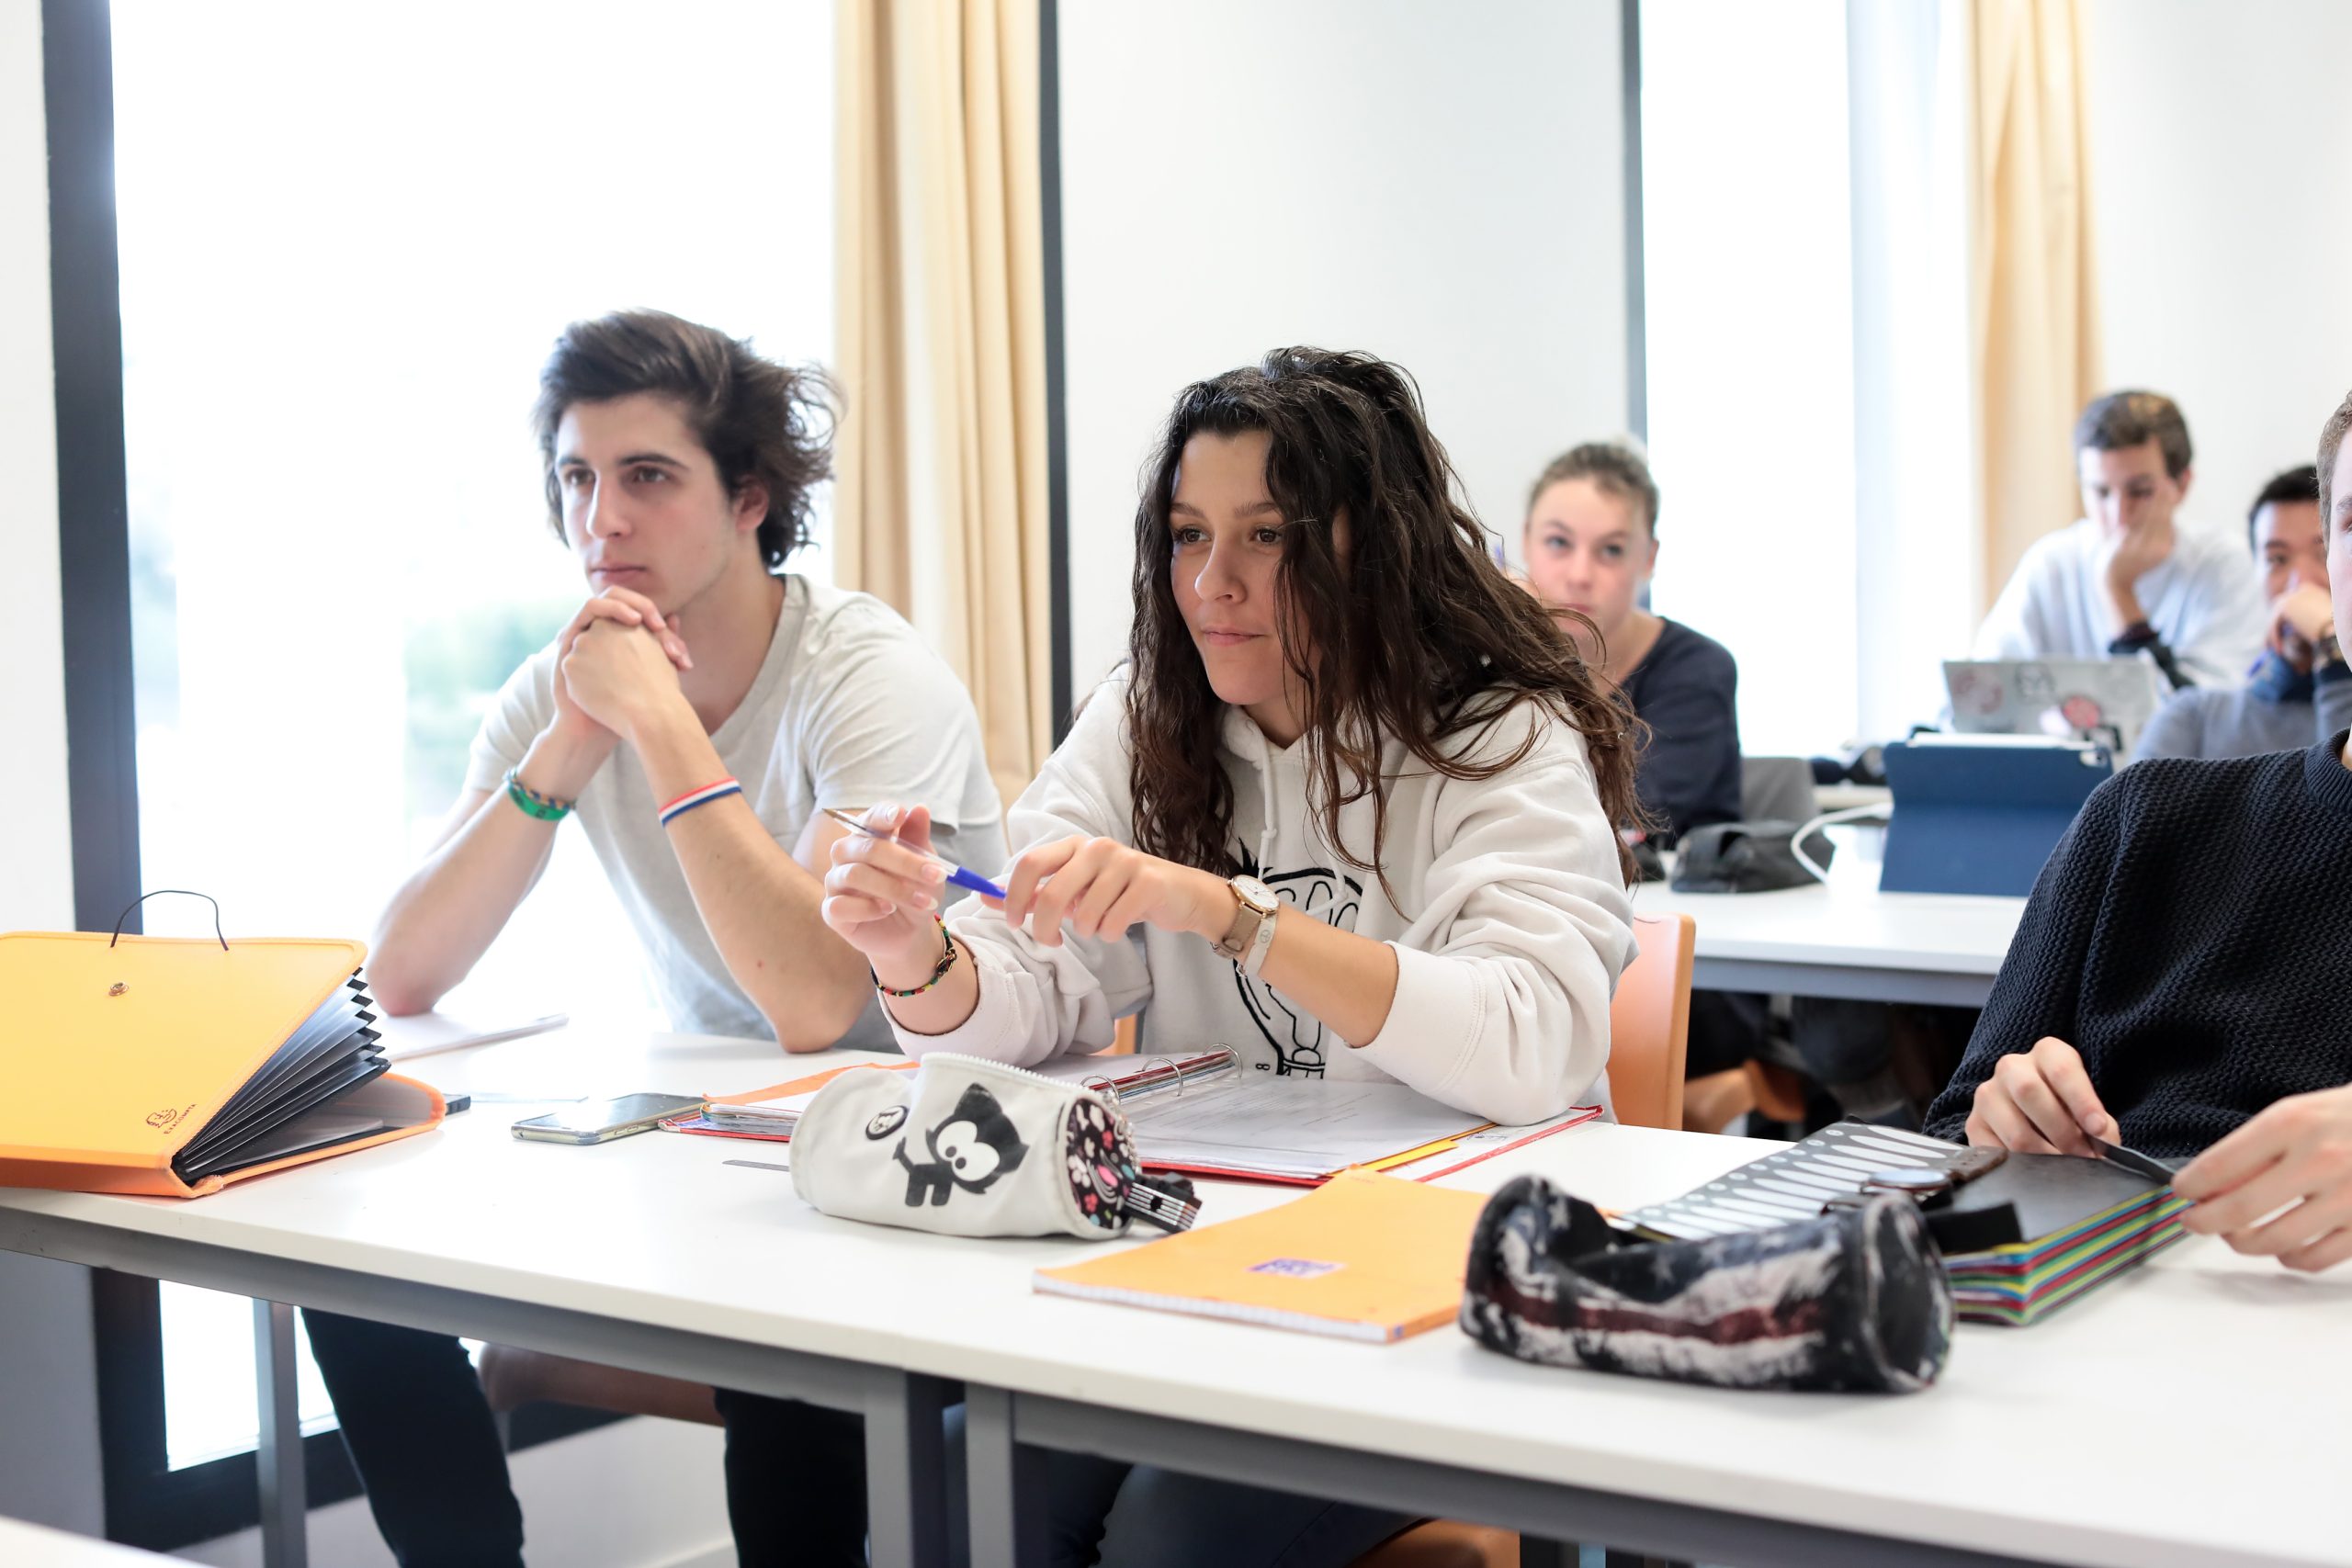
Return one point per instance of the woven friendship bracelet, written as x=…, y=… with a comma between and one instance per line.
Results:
x=946, y=962
x=702, y=797
x=545, y=808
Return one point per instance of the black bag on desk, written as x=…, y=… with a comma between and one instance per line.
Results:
x=1855, y=1301
x=1748, y=857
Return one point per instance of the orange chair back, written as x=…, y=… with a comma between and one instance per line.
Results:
x=1649, y=1024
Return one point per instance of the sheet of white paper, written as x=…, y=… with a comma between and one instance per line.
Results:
x=1071, y=1069
x=429, y=1033
x=1292, y=1126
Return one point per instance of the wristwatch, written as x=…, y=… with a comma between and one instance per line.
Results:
x=2325, y=649
x=1252, y=932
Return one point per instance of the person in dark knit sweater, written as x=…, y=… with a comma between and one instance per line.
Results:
x=2175, y=982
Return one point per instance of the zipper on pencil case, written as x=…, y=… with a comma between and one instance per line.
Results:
x=1109, y=1101
x=1157, y=1201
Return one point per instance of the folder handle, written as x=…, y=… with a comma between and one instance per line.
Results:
x=182, y=892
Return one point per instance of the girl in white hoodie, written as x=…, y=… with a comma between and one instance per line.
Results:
x=1351, y=808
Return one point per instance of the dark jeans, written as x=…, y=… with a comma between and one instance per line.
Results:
x=422, y=1436
x=795, y=1493
x=796, y=1482
x=1727, y=1029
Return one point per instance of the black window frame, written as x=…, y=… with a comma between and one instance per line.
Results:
x=148, y=1504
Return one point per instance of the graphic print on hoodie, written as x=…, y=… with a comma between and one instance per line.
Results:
x=1296, y=1038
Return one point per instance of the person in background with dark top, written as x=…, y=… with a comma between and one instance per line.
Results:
x=2297, y=693
x=2171, y=984
x=1590, y=540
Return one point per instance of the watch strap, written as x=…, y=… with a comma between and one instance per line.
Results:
x=1248, y=931
x=1262, y=942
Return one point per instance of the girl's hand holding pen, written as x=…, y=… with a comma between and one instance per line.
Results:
x=885, y=888
x=887, y=882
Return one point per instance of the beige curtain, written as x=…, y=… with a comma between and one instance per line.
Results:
x=940, y=508
x=2035, y=301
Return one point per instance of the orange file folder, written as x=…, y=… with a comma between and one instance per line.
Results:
x=1363, y=1256
x=173, y=1066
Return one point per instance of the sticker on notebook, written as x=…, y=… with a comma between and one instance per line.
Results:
x=1295, y=1267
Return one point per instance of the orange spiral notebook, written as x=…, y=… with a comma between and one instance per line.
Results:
x=172, y=1067
x=1363, y=1256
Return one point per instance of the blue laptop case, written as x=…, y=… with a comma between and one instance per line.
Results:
x=1982, y=819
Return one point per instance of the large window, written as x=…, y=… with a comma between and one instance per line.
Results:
x=1804, y=203
x=1750, y=319
x=348, y=236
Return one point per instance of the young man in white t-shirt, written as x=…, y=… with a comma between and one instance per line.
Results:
x=695, y=716
x=2129, y=577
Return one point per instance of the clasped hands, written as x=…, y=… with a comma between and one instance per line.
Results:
x=2280, y=1186
x=618, y=654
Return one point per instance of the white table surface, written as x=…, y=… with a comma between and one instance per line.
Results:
x=1905, y=946
x=2193, y=1411
x=1846, y=921
x=34, y=1546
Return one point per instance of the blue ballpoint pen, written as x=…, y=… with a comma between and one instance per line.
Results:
x=957, y=875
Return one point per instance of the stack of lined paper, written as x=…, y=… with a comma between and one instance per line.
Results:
x=2019, y=1240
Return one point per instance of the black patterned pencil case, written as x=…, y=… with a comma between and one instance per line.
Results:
x=1855, y=1300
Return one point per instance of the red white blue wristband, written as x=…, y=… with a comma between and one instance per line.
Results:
x=702, y=797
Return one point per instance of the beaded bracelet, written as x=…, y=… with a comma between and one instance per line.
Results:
x=545, y=808
x=702, y=797
x=946, y=962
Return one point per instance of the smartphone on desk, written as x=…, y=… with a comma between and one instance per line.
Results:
x=602, y=1121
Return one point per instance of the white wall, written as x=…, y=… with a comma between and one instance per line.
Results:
x=1439, y=184
x=2221, y=156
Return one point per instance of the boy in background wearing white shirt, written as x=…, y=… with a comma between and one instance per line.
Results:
x=2129, y=577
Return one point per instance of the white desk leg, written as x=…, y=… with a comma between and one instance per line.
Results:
x=906, y=1472
x=285, y=1540
x=1004, y=1484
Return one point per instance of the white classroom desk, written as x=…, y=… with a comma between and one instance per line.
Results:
x=2190, y=1414
x=1845, y=939
x=32, y=1546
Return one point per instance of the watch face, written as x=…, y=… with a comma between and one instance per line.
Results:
x=1257, y=895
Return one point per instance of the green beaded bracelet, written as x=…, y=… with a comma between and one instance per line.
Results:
x=545, y=808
